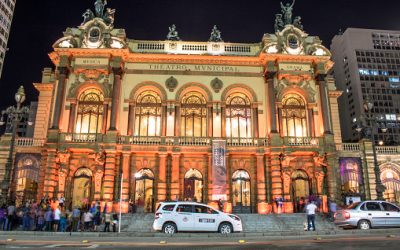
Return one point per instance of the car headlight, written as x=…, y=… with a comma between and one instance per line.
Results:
x=234, y=217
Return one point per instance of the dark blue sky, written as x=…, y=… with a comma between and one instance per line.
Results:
x=38, y=24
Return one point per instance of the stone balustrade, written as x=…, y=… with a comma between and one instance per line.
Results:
x=29, y=142
x=387, y=150
x=80, y=138
x=349, y=147
x=302, y=141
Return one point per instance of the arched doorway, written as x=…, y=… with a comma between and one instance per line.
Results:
x=144, y=185
x=193, y=189
x=241, y=192
x=391, y=180
x=27, y=177
x=81, y=193
x=300, y=190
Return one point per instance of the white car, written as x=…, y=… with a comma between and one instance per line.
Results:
x=172, y=217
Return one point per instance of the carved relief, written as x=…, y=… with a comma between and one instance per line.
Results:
x=61, y=181
x=217, y=84
x=98, y=177
x=171, y=83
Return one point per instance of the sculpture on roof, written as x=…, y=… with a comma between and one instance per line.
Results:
x=279, y=24
x=215, y=35
x=297, y=22
x=287, y=11
x=99, y=7
x=107, y=15
x=173, y=34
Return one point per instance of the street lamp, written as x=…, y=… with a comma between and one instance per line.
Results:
x=14, y=115
x=371, y=124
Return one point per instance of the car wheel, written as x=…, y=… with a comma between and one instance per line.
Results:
x=225, y=228
x=169, y=228
x=364, y=225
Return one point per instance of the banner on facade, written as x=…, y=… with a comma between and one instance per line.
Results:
x=219, y=170
x=351, y=171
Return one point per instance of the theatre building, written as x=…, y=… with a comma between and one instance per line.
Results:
x=150, y=121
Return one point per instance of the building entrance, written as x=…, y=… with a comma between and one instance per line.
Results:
x=241, y=192
x=144, y=199
x=81, y=194
x=193, y=186
x=300, y=190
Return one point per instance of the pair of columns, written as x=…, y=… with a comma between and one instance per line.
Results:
x=60, y=100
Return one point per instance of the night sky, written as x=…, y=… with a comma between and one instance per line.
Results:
x=38, y=24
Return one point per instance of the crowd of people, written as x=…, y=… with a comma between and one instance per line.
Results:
x=53, y=216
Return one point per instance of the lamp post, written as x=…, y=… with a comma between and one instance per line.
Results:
x=369, y=128
x=14, y=115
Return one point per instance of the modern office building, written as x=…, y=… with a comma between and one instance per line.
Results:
x=6, y=16
x=367, y=66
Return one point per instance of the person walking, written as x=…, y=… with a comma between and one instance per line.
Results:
x=57, y=217
x=107, y=222
x=311, y=208
x=11, y=212
x=76, y=215
x=87, y=219
x=48, y=218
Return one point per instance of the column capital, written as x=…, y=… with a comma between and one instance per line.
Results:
x=62, y=71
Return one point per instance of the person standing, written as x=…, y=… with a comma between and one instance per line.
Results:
x=3, y=218
x=76, y=215
x=311, y=208
x=11, y=212
x=87, y=218
x=57, y=217
x=48, y=218
x=107, y=222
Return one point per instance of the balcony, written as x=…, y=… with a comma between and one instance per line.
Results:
x=29, y=142
x=348, y=147
x=387, y=150
x=302, y=141
x=80, y=138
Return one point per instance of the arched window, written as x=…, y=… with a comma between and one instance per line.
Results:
x=294, y=116
x=193, y=115
x=148, y=114
x=90, y=112
x=238, y=116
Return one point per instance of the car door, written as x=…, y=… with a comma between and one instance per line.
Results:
x=375, y=214
x=184, y=217
x=392, y=214
x=205, y=218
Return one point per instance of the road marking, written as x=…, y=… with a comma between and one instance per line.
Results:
x=93, y=246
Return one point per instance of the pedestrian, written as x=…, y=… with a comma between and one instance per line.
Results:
x=311, y=208
x=87, y=219
x=57, y=217
x=63, y=222
x=26, y=221
x=61, y=201
x=40, y=221
x=48, y=219
x=11, y=212
x=107, y=221
x=76, y=215
x=351, y=201
x=96, y=220
x=115, y=222
x=332, y=208
x=220, y=205
x=3, y=218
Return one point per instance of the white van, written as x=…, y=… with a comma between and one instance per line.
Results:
x=172, y=217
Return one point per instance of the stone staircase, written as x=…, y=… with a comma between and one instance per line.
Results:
x=252, y=223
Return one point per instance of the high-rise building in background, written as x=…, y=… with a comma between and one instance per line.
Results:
x=367, y=65
x=6, y=15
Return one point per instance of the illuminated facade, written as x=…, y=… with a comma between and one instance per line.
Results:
x=6, y=16
x=167, y=120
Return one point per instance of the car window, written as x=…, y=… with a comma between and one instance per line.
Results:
x=204, y=210
x=184, y=209
x=168, y=208
x=373, y=206
x=389, y=207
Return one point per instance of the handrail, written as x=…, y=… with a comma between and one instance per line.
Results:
x=29, y=142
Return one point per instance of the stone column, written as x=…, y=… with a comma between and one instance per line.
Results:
x=276, y=178
x=115, y=98
x=255, y=123
x=323, y=90
x=261, y=196
x=105, y=117
x=60, y=94
x=210, y=121
x=175, y=174
x=162, y=178
x=125, y=171
x=177, y=121
x=131, y=119
x=272, y=102
x=223, y=122
x=51, y=173
x=72, y=117
x=164, y=120
x=311, y=128
x=109, y=176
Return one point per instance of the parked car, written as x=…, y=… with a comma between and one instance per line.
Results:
x=172, y=217
x=368, y=214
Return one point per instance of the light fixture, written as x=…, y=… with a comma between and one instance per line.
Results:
x=20, y=95
x=380, y=143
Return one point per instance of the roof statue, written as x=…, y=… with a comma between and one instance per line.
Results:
x=286, y=18
x=107, y=15
x=287, y=11
x=215, y=35
x=173, y=34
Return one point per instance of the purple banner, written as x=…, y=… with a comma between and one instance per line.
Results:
x=350, y=170
x=219, y=170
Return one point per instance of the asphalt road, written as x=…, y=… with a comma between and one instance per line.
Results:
x=365, y=242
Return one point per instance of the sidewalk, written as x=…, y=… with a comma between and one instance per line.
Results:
x=267, y=234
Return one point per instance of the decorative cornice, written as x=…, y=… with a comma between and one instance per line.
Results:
x=44, y=86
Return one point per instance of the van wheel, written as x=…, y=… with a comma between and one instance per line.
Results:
x=225, y=228
x=169, y=228
x=364, y=225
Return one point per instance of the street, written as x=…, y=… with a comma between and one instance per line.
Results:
x=371, y=241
